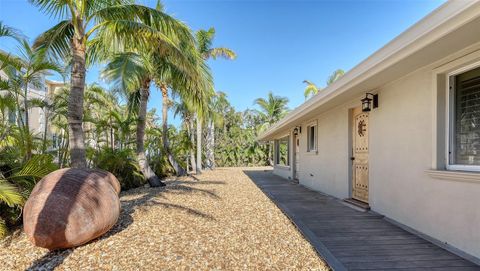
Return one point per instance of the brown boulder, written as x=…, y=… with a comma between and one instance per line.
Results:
x=70, y=207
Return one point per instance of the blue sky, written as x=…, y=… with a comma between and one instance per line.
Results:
x=279, y=43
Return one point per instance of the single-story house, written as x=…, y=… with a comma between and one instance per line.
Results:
x=400, y=131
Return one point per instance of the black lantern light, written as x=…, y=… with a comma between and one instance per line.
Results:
x=297, y=130
x=367, y=102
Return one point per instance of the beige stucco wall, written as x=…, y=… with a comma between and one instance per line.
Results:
x=400, y=153
x=327, y=169
x=402, y=149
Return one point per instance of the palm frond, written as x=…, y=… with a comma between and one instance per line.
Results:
x=7, y=31
x=57, y=39
x=335, y=76
x=310, y=90
x=125, y=71
x=37, y=167
x=55, y=8
x=9, y=194
x=222, y=52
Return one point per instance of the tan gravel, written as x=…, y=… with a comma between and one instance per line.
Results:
x=221, y=221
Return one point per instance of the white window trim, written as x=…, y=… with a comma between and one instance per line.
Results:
x=450, y=118
x=314, y=124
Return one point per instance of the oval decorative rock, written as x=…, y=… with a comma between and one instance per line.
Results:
x=70, y=207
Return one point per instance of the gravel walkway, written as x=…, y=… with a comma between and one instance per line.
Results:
x=220, y=221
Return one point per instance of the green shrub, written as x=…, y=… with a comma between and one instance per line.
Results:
x=123, y=165
x=16, y=184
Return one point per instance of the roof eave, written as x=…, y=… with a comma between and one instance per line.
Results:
x=432, y=27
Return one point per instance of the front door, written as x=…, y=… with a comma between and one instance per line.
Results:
x=297, y=157
x=360, y=155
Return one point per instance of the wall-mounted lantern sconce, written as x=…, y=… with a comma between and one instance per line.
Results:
x=297, y=130
x=367, y=102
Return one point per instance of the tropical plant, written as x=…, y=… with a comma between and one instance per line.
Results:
x=89, y=31
x=123, y=165
x=271, y=110
x=204, y=46
x=16, y=183
x=311, y=89
x=24, y=72
x=7, y=31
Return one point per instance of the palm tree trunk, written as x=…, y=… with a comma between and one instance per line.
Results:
x=46, y=113
x=26, y=123
x=25, y=105
x=75, y=103
x=210, y=146
x=148, y=173
x=166, y=144
x=199, y=146
x=112, y=141
x=191, y=125
x=270, y=158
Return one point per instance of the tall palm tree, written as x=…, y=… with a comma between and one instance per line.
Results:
x=217, y=107
x=204, y=47
x=30, y=69
x=311, y=89
x=134, y=72
x=183, y=109
x=90, y=28
x=271, y=110
x=181, y=73
x=197, y=90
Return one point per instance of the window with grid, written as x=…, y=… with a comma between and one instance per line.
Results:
x=465, y=119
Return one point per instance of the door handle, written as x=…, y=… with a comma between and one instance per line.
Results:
x=352, y=158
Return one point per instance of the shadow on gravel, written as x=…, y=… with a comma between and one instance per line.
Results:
x=50, y=260
x=148, y=198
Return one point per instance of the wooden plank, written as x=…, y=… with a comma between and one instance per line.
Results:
x=408, y=264
x=348, y=243
x=381, y=258
x=353, y=240
x=415, y=251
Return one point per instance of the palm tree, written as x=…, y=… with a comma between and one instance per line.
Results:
x=136, y=70
x=217, y=107
x=134, y=73
x=311, y=89
x=204, y=47
x=184, y=109
x=30, y=69
x=196, y=90
x=335, y=76
x=271, y=110
x=88, y=30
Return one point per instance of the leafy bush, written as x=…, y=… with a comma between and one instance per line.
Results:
x=121, y=164
x=16, y=184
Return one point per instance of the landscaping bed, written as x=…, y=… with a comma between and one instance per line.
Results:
x=218, y=220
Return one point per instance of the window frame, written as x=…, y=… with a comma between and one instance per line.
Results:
x=450, y=120
x=277, y=152
x=313, y=124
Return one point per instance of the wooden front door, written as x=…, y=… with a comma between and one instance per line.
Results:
x=297, y=157
x=360, y=155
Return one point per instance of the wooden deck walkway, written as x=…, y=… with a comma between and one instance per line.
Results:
x=352, y=240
